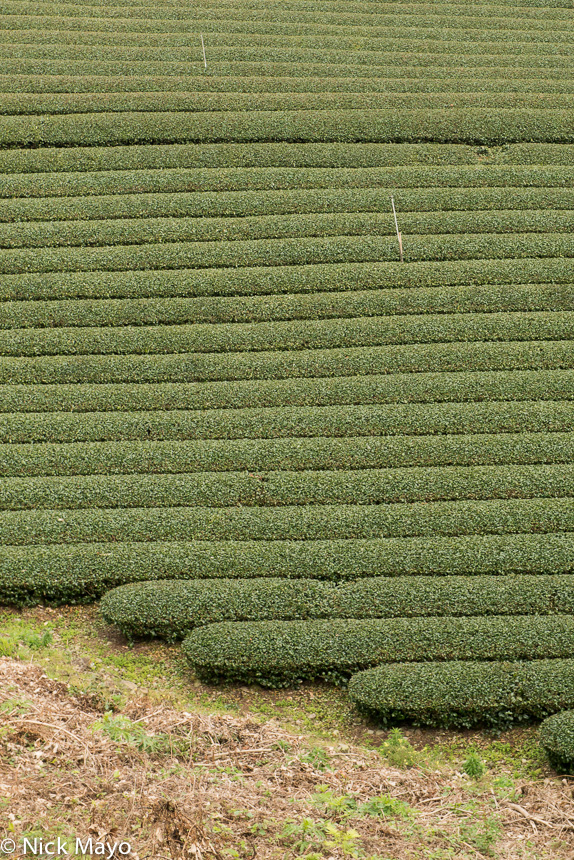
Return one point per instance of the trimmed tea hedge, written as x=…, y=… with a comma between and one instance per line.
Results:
x=289, y=334
x=477, y=386
x=501, y=15
x=288, y=523
x=324, y=41
x=469, y=125
x=142, y=231
x=245, y=204
x=362, y=303
x=333, y=278
x=464, y=693
x=307, y=421
x=91, y=458
x=83, y=572
x=411, y=358
x=270, y=154
x=93, y=103
x=220, y=489
x=458, y=82
x=219, y=179
x=286, y=252
x=225, y=155
x=170, y=609
x=279, y=653
x=557, y=739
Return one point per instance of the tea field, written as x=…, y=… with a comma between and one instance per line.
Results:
x=240, y=402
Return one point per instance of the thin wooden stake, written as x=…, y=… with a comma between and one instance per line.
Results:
x=203, y=48
x=399, y=236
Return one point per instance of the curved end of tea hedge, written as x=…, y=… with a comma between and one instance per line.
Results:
x=557, y=739
x=169, y=609
x=464, y=694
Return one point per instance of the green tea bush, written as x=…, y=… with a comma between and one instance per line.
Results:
x=282, y=652
x=270, y=154
x=83, y=572
x=225, y=155
x=462, y=387
x=557, y=739
x=269, y=280
x=67, y=103
x=342, y=81
x=221, y=489
x=285, y=252
x=287, y=364
x=464, y=694
x=519, y=203
x=244, y=309
x=143, y=231
x=292, y=335
x=288, y=523
x=469, y=125
x=308, y=421
x=244, y=179
x=295, y=454
x=170, y=609
x=409, y=596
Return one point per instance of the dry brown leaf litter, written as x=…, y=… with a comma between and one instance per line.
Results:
x=226, y=784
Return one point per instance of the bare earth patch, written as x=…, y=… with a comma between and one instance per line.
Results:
x=176, y=784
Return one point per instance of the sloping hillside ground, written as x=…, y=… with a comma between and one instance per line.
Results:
x=342, y=441
x=102, y=741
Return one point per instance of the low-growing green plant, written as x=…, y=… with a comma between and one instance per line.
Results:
x=318, y=758
x=333, y=804
x=385, y=806
x=19, y=706
x=121, y=729
x=473, y=766
x=304, y=835
x=398, y=750
x=345, y=841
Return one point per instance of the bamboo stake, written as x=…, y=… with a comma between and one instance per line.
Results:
x=203, y=49
x=399, y=236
